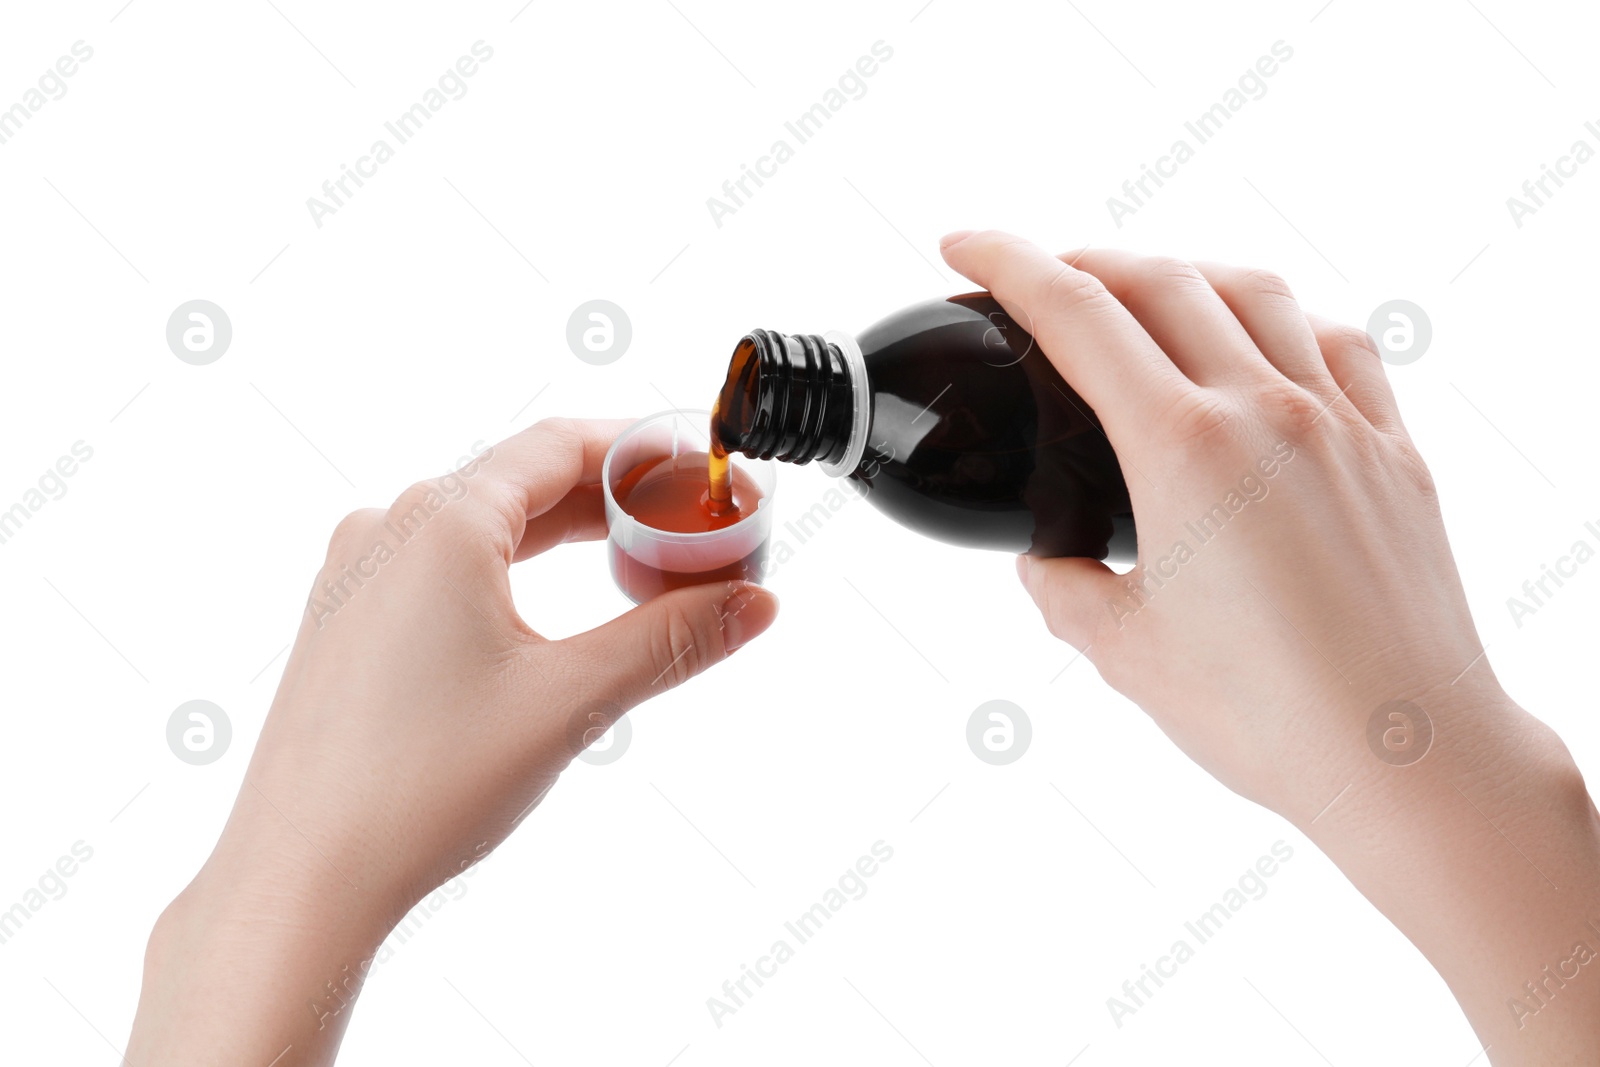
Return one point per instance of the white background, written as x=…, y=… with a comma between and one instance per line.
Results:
x=377, y=349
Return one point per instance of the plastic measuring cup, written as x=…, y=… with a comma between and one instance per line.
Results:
x=646, y=561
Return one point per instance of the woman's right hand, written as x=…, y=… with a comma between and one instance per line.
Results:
x=1295, y=621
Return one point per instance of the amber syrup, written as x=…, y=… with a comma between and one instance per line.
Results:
x=678, y=494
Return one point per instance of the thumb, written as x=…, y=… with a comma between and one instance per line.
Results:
x=668, y=640
x=1071, y=593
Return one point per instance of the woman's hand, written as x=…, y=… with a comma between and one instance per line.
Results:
x=1293, y=572
x=1296, y=624
x=419, y=719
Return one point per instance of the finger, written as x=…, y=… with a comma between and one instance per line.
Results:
x=1181, y=312
x=1090, y=338
x=578, y=516
x=477, y=517
x=1071, y=593
x=670, y=639
x=1353, y=362
x=1269, y=313
x=525, y=475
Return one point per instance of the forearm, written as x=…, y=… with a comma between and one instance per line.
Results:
x=1486, y=854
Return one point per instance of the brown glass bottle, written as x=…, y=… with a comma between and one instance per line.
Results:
x=948, y=416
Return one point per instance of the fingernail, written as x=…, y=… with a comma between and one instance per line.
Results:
x=951, y=238
x=746, y=614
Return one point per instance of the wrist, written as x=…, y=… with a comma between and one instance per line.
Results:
x=284, y=859
x=1428, y=763
x=1485, y=853
x=242, y=967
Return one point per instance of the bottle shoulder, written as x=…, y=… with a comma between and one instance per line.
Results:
x=969, y=316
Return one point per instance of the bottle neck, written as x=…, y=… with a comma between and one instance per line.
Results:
x=795, y=398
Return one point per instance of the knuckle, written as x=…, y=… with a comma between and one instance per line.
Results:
x=502, y=510
x=1297, y=411
x=351, y=531
x=1159, y=274
x=1003, y=243
x=1416, y=468
x=1067, y=618
x=1039, y=591
x=1261, y=284
x=422, y=504
x=561, y=429
x=416, y=495
x=1201, y=418
x=1050, y=607
x=1057, y=629
x=679, y=642
x=1346, y=338
x=1067, y=289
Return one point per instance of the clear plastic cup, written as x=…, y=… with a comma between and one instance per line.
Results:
x=646, y=561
